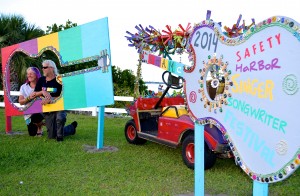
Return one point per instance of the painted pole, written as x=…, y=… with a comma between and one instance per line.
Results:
x=260, y=189
x=100, y=134
x=199, y=160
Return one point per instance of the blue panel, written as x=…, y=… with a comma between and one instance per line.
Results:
x=175, y=67
x=99, y=88
x=95, y=37
x=179, y=69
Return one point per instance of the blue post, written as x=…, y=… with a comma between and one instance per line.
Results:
x=199, y=160
x=260, y=189
x=100, y=134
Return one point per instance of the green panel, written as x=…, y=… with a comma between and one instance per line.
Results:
x=70, y=44
x=74, y=92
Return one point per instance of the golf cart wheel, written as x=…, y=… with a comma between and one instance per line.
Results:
x=188, y=153
x=131, y=134
x=209, y=157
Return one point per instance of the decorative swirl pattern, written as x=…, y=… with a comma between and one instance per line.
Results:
x=290, y=84
x=281, y=147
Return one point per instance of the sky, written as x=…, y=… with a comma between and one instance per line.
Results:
x=124, y=15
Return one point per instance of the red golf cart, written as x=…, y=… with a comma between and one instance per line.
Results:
x=165, y=120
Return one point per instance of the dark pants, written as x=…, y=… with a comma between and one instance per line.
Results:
x=55, y=123
x=32, y=127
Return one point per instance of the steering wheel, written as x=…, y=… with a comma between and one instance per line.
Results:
x=172, y=81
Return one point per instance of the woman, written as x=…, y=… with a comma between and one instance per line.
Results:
x=34, y=121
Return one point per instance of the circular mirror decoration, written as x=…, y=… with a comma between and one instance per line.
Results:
x=215, y=83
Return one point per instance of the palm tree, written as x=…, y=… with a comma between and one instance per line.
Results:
x=14, y=29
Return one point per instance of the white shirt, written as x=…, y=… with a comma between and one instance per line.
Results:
x=26, y=90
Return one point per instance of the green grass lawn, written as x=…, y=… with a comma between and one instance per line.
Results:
x=47, y=167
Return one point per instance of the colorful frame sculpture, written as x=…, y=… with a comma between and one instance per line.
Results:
x=84, y=88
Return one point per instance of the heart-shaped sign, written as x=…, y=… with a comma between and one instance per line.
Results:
x=248, y=87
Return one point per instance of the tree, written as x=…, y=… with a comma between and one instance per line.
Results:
x=56, y=28
x=14, y=29
x=124, y=84
x=124, y=80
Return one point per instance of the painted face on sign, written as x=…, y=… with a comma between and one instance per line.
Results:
x=247, y=86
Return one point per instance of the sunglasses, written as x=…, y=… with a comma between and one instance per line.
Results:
x=45, y=67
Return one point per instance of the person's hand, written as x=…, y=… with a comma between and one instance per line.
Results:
x=46, y=95
x=32, y=95
x=46, y=101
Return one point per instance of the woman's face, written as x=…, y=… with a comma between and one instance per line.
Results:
x=31, y=76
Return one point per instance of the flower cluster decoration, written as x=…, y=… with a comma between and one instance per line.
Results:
x=166, y=42
x=169, y=42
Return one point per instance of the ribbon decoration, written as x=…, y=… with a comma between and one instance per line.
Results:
x=151, y=39
x=168, y=42
x=236, y=29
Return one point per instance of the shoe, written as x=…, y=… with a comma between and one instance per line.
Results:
x=39, y=134
x=74, y=125
x=59, y=139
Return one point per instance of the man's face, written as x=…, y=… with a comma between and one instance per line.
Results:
x=47, y=69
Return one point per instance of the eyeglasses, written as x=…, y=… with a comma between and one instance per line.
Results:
x=45, y=67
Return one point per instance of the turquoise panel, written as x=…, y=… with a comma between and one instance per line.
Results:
x=74, y=92
x=70, y=44
x=179, y=69
x=95, y=37
x=99, y=88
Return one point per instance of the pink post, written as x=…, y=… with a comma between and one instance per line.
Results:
x=8, y=124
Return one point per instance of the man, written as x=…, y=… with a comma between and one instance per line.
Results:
x=50, y=88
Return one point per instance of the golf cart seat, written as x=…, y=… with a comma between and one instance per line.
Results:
x=174, y=111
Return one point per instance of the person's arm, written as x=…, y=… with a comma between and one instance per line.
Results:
x=38, y=91
x=38, y=88
x=47, y=97
x=24, y=100
x=41, y=94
